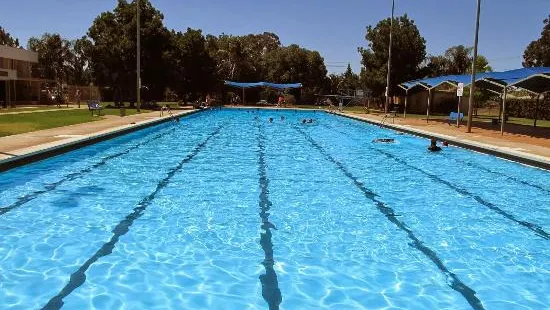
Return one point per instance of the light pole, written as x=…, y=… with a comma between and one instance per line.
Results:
x=389, y=60
x=473, y=84
x=138, y=72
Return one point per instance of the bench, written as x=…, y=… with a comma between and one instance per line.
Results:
x=93, y=105
x=453, y=116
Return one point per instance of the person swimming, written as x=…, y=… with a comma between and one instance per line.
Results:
x=271, y=119
x=310, y=120
x=433, y=146
x=383, y=140
x=304, y=121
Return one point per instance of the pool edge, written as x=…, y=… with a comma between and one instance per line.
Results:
x=523, y=158
x=64, y=147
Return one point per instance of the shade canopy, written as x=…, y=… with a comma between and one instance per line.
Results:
x=262, y=84
x=536, y=80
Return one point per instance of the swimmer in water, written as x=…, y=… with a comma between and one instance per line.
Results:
x=433, y=146
x=384, y=140
x=271, y=119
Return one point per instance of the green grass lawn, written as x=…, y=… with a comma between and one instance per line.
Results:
x=27, y=109
x=12, y=124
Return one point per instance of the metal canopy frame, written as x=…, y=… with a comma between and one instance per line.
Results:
x=536, y=82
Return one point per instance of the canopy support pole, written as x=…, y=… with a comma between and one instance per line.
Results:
x=536, y=111
x=503, y=111
x=406, y=98
x=500, y=107
x=428, y=109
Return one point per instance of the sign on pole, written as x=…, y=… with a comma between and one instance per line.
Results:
x=460, y=90
x=459, y=93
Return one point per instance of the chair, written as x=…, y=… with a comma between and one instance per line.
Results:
x=93, y=105
x=453, y=116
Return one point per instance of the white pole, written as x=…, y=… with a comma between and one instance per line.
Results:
x=428, y=109
x=138, y=58
x=503, y=112
x=386, y=107
x=472, y=85
x=406, y=98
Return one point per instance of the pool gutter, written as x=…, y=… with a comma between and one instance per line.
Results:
x=502, y=152
x=46, y=150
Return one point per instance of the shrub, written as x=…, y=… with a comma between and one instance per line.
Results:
x=525, y=108
x=290, y=99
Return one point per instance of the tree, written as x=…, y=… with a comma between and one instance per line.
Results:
x=113, y=51
x=537, y=53
x=193, y=69
x=54, y=53
x=482, y=65
x=79, y=72
x=350, y=80
x=6, y=39
x=408, y=52
x=456, y=60
x=293, y=64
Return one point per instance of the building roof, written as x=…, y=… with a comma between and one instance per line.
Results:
x=18, y=54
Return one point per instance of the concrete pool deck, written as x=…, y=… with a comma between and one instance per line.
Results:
x=27, y=147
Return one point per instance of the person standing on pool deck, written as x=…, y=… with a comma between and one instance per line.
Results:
x=433, y=146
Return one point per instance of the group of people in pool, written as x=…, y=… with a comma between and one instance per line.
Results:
x=304, y=121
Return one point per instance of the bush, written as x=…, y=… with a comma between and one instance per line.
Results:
x=525, y=108
x=290, y=99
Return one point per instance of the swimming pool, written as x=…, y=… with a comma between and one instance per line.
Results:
x=226, y=210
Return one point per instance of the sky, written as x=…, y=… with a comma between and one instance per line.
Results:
x=334, y=28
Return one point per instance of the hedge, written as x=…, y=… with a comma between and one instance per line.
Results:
x=525, y=108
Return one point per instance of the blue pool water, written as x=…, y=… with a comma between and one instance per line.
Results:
x=226, y=210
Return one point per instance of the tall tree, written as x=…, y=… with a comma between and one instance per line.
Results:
x=455, y=60
x=193, y=69
x=79, y=72
x=350, y=80
x=113, y=54
x=6, y=39
x=537, y=53
x=459, y=60
x=293, y=64
x=54, y=54
x=408, y=52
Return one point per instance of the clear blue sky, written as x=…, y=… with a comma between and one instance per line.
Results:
x=334, y=28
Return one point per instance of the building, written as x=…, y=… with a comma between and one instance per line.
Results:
x=15, y=75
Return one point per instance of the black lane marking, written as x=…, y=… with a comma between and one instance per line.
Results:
x=539, y=231
x=270, y=285
x=72, y=176
x=470, y=164
x=480, y=167
x=452, y=280
x=79, y=277
x=531, y=226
